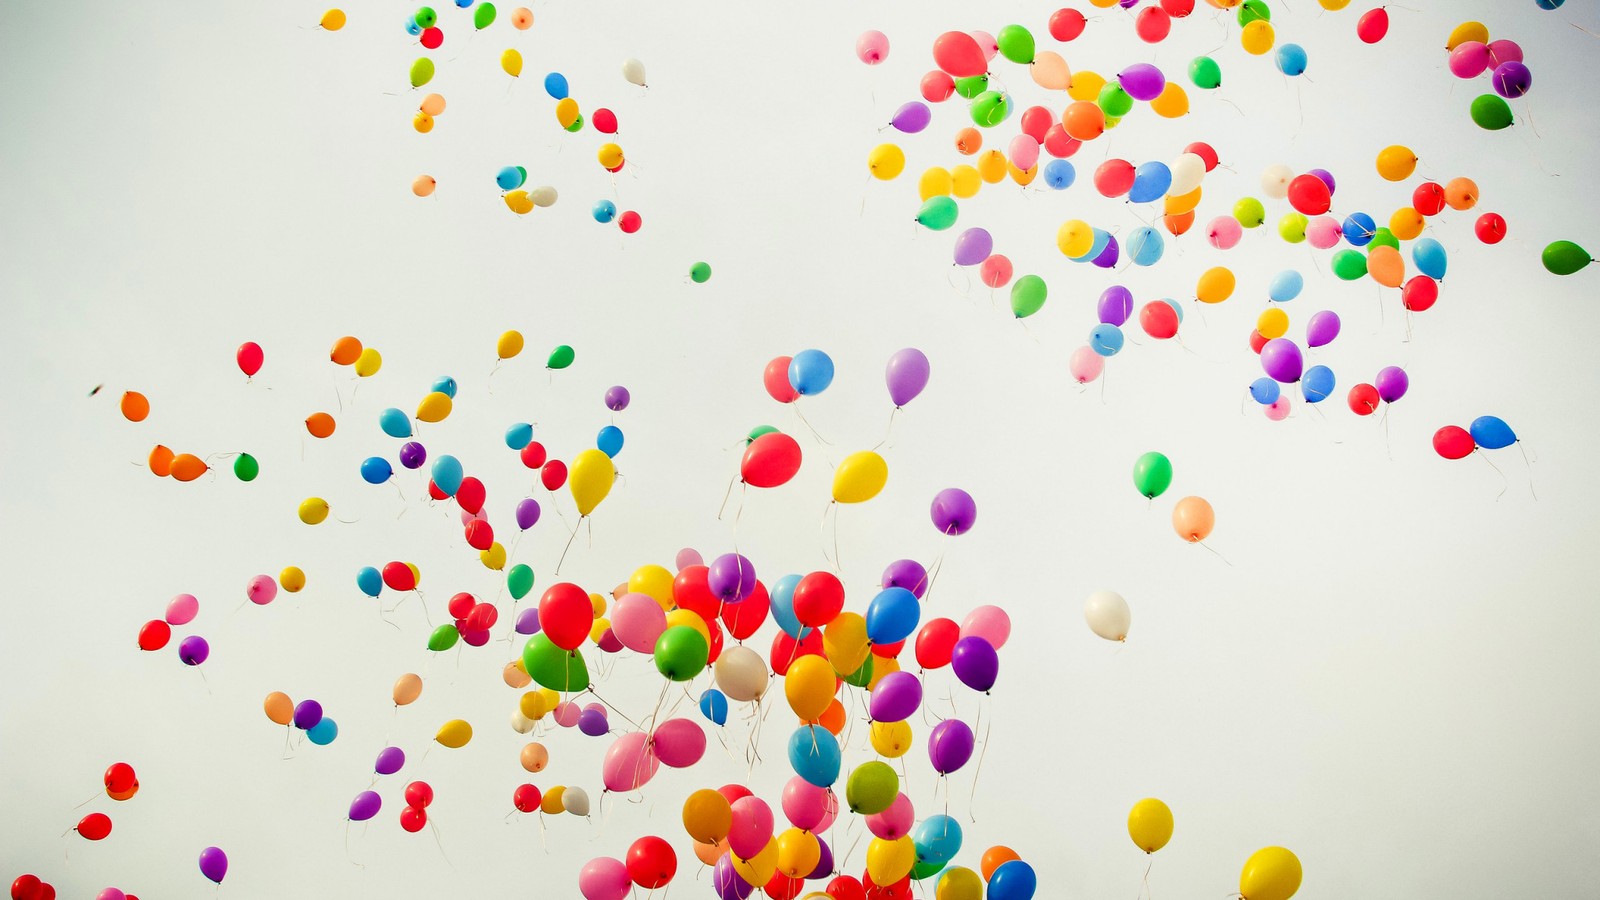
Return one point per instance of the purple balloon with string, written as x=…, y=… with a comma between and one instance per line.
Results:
x=1322, y=329
x=973, y=246
x=727, y=881
x=1116, y=305
x=1512, y=79
x=1142, y=81
x=1281, y=360
x=908, y=574
x=528, y=621
x=617, y=398
x=390, y=761
x=194, y=650
x=592, y=722
x=413, y=455
x=975, y=662
x=824, y=866
x=527, y=513
x=1392, y=383
x=731, y=578
x=954, y=511
x=365, y=806
x=912, y=117
x=950, y=745
x=214, y=864
x=906, y=375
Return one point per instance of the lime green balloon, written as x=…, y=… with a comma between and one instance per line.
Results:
x=1027, y=295
x=443, y=638
x=990, y=108
x=1253, y=11
x=519, y=581
x=1565, y=257
x=872, y=788
x=1205, y=73
x=577, y=124
x=1383, y=237
x=1114, y=101
x=862, y=676
x=921, y=870
x=1292, y=227
x=484, y=16
x=554, y=668
x=972, y=85
x=245, y=468
x=1016, y=44
x=421, y=71
x=700, y=272
x=1152, y=474
x=560, y=357
x=681, y=653
x=1250, y=212
x=1491, y=112
x=1349, y=264
x=425, y=17
x=938, y=213
x=1112, y=122
x=758, y=431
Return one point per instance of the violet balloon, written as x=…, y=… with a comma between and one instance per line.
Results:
x=527, y=513
x=912, y=117
x=954, y=511
x=824, y=866
x=1116, y=305
x=1109, y=256
x=1327, y=178
x=1281, y=360
x=592, y=722
x=1322, y=329
x=413, y=455
x=907, y=372
x=214, y=864
x=1512, y=79
x=617, y=398
x=973, y=246
x=365, y=806
x=307, y=713
x=896, y=696
x=1392, y=383
x=975, y=662
x=1142, y=81
x=727, y=881
x=390, y=761
x=528, y=621
x=908, y=574
x=950, y=746
x=194, y=650
x=731, y=578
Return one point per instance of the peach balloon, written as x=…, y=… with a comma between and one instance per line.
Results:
x=1193, y=519
x=407, y=688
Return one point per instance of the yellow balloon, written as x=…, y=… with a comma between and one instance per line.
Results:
x=416, y=573
x=1023, y=177
x=890, y=861
x=1386, y=266
x=509, y=345
x=936, y=182
x=602, y=625
x=1257, y=37
x=992, y=166
x=798, y=853
x=532, y=705
x=891, y=739
x=610, y=155
x=1215, y=286
x=654, y=582
x=965, y=181
x=1103, y=4
x=1074, y=238
x=313, y=510
x=1271, y=873
x=1180, y=204
x=1150, y=824
x=881, y=666
x=758, y=869
x=959, y=883
x=1172, y=103
x=706, y=816
x=369, y=362
x=551, y=698
x=519, y=202
x=844, y=640
x=1334, y=5
x=597, y=603
x=292, y=579
x=1050, y=71
x=1406, y=223
x=566, y=112
x=860, y=477
x=1273, y=323
x=422, y=122
x=434, y=407
x=1085, y=85
x=493, y=558
x=511, y=61
x=333, y=19
x=454, y=734
x=809, y=687
x=551, y=803
x=885, y=162
x=590, y=479
x=1467, y=31
x=1396, y=163
x=691, y=619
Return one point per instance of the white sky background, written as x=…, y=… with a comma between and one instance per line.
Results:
x=1395, y=677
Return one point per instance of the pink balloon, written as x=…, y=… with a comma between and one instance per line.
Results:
x=109, y=894
x=567, y=713
x=989, y=622
x=1503, y=51
x=680, y=743
x=894, y=822
x=1469, y=59
x=986, y=43
x=995, y=271
x=1323, y=232
x=1086, y=365
x=182, y=609
x=637, y=620
x=804, y=804
x=752, y=827
x=1224, y=232
x=830, y=811
x=872, y=47
x=1024, y=152
x=687, y=557
x=1277, y=410
x=629, y=763
x=262, y=590
x=604, y=878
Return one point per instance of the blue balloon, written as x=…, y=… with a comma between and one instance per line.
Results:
x=1285, y=286
x=519, y=435
x=1549, y=4
x=376, y=470
x=782, y=600
x=1014, y=880
x=609, y=441
x=604, y=211
x=714, y=706
x=1145, y=246
x=1150, y=182
x=445, y=385
x=323, y=733
x=1492, y=432
x=412, y=28
x=555, y=84
x=1059, y=174
x=1106, y=340
x=1317, y=384
x=1358, y=229
x=1101, y=240
x=447, y=474
x=463, y=4
x=1176, y=307
x=1430, y=258
x=814, y=755
x=510, y=178
x=892, y=615
x=1291, y=59
x=810, y=372
x=370, y=581
x=1265, y=391
x=937, y=839
x=394, y=423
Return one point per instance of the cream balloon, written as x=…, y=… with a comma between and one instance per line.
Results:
x=520, y=723
x=633, y=72
x=576, y=800
x=741, y=674
x=1108, y=615
x=1275, y=181
x=1188, y=170
x=1050, y=71
x=543, y=195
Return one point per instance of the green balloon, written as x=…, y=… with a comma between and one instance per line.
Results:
x=1027, y=295
x=938, y=213
x=1383, y=237
x=862, y=676
x=681, y=653
x=972, y=85
x=1491, y=112
x=990, y=108
x=443, y=638
x=1016, y=44
x=519, y=581
x=1292, y=227
x=484, y=16
x=1114, y=101
x=1349, y=264
x=1152, y=474
x=560, y=357
x=1250, y=212
x=425, y=17
x=758, y=431
x=700, y=272
x=577, y=124
x=1565, y=257
x=921, y=870
x=245, y=468
x=421, y=71
x=553, y=667
x=1252, y=11
x=1205, y=73
x=872, y=788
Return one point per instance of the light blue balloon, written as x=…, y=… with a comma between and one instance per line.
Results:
x=1285, y=286
x=1291, y=59
x=1317, y=384
x=609, y=441
x=1358, y=229
x=604, y=211
x=376, y=470
x=1059, y=174
x=1145, y=246
x=782, y=600
x=412, y=28
x=1176, y=307
x=814, y=755
x=370, y=581
x=810, y=372
x=1014, y=880
x=1150, y=182
x=937, y=839
x=1106, y=340
x=714, y=706
x=394, y=423
x=519, y=435
x=509, y=178
x=892, y=615
x=555, y=84
x=1492, y=432
x=445, y=385
x=1430, y=258
x=447, y=474
x=1265, y=391
x=323, y=733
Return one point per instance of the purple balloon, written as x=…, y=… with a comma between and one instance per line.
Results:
x=912, y=117
x=528, y=621
x=1108, y=257
x=1322, y=329
x=413, y=455
x=527, y=513
x=973, y=246
x=1327, y=179
x=974, y=661
x=214, y=864
x=1392, y=383
x=365, y=806
x=824, y=862
x=194, y=650
x=906, y=375
x=390, y=761
x=307, y=713
x=617, y=398
x=908, y=574
x=1142, y=81
x=731, y=578
x=950, y=746
x=1512, y=79
x=1281, y=360
x=954, y=511
x=1116, y=305
x=896, y=696
x=593, y=722
x=727, y=881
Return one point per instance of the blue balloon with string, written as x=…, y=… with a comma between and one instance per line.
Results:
x=714, y=706
x=1291, y=59
x=814, y=755
x=810, y=372
x=323, y=733
x=1430, y=258
x=782, y=602
x=1265, y=391
x=1316, y=384
x=1359, y=229
x=1106, y=340
x=1492, y=432
x=604, y=211
x=609, y=441
x=395, y=424
x=1285, y=286
x=370, y=581
x=1059, y=174
x=1150, y=182
x=519, y=435
x=445, y=385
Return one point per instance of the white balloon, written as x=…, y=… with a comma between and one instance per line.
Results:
x=633, y=71
x=545, y=195
x=1188, y=171
x=520, y=723
x=1108, y=615
x=741, y=673
x=1275, y=181
x=576, y=800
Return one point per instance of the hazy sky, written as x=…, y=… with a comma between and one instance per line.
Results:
x=1390, y=669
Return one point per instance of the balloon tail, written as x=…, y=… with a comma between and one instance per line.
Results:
x=1386, y=446
x=438, y=842
x=1215, y=553
x=566, y=548
x=823, y=531
x=1505, y=484
x=1529, y=464
x=725, y=495
x=796, y=405
x=888, y=430
x=1145, y=890
x=81, y=806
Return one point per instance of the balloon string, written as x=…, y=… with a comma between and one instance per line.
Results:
x=1215, y=553
x=796, y=406
x=1505, y=483
x=972, y=799
x=1145, y=890
x=888, y=430
x=1529, y=466
x=569, y=545
x=725, y=495
x=823, y=532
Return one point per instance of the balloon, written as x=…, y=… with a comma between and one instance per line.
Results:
x=810, y=372
x=1322, y=329
x=1430, y=258
x=1224, y=232
x=1491, y=113
x=1015, y=880
x=1492, y=433
x=154, y=635
x=814, y=755
x=1028, y=295
x=950, y=746
x=332, y=20
x=1193, y=519
x=958, y=54
x=1215, y=285
x=511, y=62
x=1152, y=474
x=1291, y=59
x=1317, y=384
x=590, y=479
x=1151, y=181
x=1511, y=79
x=975, y=662
x=1565, y=258
x=246, y=468
x=681, y=653
x=1396, y=163
x=1453, y=442
x=872, y=47
x=214, y=864
x=134, y=406
x=1150, y=824
x=886, y=162
x=363, y=807
x=604, y=878
x=1142, y=81
x=860, y=477
x=1271, y=873
x=421, y=74
x=937, y=213
x=896, y=696
x=891, y=617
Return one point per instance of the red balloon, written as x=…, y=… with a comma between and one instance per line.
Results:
x=553, y=475
x=47, y=891
x=120, y=778
x=888, y=651
x=533, y=455
x=460, y=606
x=1153, y=24
x=1178, y=8
x=1036, y=122
x=1158, y=319
x=471, y=494
x=398, y=576
x=419, y=794
x=526, y=798
x=770, y=460
x=937, y=86
x=473, y=638
x=651, y=862
x=1420, y=293
x=691, y=590
x=900, y=890
x=936, y=640
x=1491, y=228
x=1114, y=177
x=782, y=887
x=480, y=534
x=618, y=168
x=1205, y=152
x=785, y=649
x=604, y=121
x=818, y=598
x=1257, y=341
x=733, y=793
x=1373, y=25
x=94, y=826
x=776, y=380
x=436, y=492
x=1453, y=442
x=566, y=615
x=1363, y=399
x=1309, y=194
x=154, y=635
x=1066, y=24
x=1058, y=143
x=249, y=357
x=26, y=887
x=629, y=221
x=714, y=649
x=1428, y=198
x=957, y=53
x=482, y=617
x=412, y=819
x=745, y=618
x=432, y=38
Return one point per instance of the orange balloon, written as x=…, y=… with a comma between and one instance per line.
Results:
x=124, y=795
x=969, y=141
x=710, y=853
x=514, y=675
x=1193, y=519
x=279, y=708
x=994, y=858
x=1386, y=266
x=187, y=467
x=407, y=688
x=161, y=460
x=346, y=351
x=1177, y=225
x=423, y=187
x=1084, y=120
x=432, y=105
x=134, y=406
x=320, y=424
x=535, y=757
x=522, y=18
x=832, y=718
x=1460, y=193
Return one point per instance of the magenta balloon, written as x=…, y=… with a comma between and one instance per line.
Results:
x=751, y=828
x=365, y=806
x=680, y=743
x=954, y=511
x=912, y=117
x=1322, y=329
x=527, y=513
x=896, y=696
x=182, y=609
x=390, y=761
x=214, y=864
x=1116, y=305
x=1392, y=383
x=629, y=762
x=1142, y=81
x=975, y=662
x=950, y=746
x=908, y=574
x=1469, y=59
x=194, y=650
x=907, y=372
x=973, y=246
x=1281, y=360
x=1511, y=79
x=804, y=804
x=604, y=878
x=894, y=822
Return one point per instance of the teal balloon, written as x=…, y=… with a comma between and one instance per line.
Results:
x=395, y=423
x=814, y=755
x=370, y=581
x=1145, y=246
x=1027, y=295
x=1430, y=258
x=937, y=839
x=447, y=474
x=323, y=733
x=938, y=213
